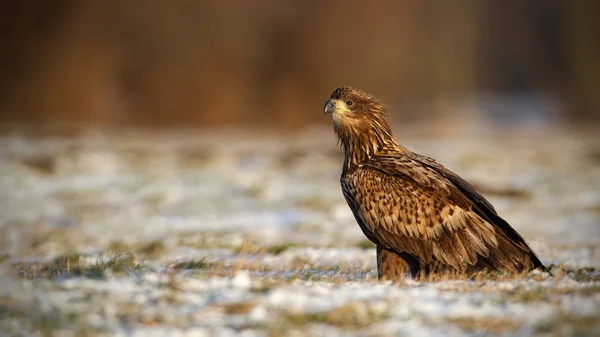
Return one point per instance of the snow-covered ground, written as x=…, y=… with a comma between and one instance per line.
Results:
x=219, y=234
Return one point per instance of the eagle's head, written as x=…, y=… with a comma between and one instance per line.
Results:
x=349, y=105
x=359, y=123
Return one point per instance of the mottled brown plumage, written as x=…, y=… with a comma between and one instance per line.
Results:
x=421, y=216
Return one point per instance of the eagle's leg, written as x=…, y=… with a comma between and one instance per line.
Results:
x=391, y=266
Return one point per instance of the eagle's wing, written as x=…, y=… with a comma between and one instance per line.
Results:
x=415, y=205
x=481, y=206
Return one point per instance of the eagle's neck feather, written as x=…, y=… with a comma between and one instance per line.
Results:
x=362, y=141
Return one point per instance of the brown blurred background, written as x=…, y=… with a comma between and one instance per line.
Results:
x=188, y=63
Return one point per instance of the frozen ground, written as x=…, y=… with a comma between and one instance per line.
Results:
x=223, y=234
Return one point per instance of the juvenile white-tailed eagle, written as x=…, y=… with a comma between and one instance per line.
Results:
x=422, y=217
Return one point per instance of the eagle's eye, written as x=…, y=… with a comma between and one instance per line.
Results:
x=349, y=103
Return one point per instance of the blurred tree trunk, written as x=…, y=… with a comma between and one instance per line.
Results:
x=582, y=48
x=454, y=56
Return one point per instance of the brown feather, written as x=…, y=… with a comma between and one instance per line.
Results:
x=410, y=205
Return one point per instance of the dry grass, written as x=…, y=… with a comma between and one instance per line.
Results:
x=298, y=268
x=479, y=277
x=249, y=247
x=16, y=318
x=213, y=240
x=250, y=258
x=200, y=264
x=487, y=325
x=349, y=317
x=566, y=324
x=151, y=249
x=241, y=308
x=117, y=260
x=121, y=259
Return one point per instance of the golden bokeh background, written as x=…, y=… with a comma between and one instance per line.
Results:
x=272, y=63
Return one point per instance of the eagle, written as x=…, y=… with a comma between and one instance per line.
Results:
x=424, y=219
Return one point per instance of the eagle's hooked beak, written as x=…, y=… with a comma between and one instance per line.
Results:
x=329, y=107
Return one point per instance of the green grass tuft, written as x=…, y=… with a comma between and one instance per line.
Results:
x=278, y=249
